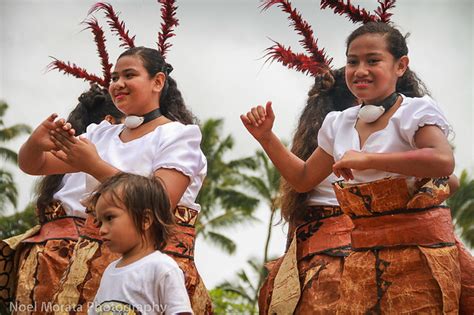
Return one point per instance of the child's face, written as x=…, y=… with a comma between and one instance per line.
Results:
x=132, y=90
x=371, y=70
x=117, y=228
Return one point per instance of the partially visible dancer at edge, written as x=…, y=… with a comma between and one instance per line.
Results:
x=158, y=138
x=403, y=240
x=134, y=218
x=40, y=277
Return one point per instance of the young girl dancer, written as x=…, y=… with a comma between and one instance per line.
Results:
x=94, y=106
x=135, y=221
x=415, y=267
x=158, y=139
x=319, y=233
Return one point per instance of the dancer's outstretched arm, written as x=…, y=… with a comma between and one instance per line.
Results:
x=301, y=175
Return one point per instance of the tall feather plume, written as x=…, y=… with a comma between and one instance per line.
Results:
x=354, y=14
x=382, y=10
x=168, y=14
x=117, y=26
x=99, y=39
x=302, y=28
x=75, y=71
x=299, y=62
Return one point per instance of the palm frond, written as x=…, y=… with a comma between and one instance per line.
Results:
x=233, y=199
x=3, y=108
x=230, y=219
x=10, y=133
x=238, y=289
x=222, y=241
x=8, y=155
x=243, y=163
x=9, y=192
x=257, y=185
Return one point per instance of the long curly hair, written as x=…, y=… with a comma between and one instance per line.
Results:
x=328, y=93
x=93, y=106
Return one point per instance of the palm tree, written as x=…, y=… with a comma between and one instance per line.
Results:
x=462, y=208
x=266, y=184
x=8, y=191
x=222, y=203
x=244, y=287
x=18, y=223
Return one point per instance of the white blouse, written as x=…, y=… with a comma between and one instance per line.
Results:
x=338, y=134
x=172, y=146
x=323, y=194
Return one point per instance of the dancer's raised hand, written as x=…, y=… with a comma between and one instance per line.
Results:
x=259, y=121
x=78, y=152
x=41, y=135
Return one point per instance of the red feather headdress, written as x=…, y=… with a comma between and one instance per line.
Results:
x=168, y=14
x=317, y=61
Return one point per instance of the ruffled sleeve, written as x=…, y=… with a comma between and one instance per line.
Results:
x=423, y=111
x=179, y=149
x=95, y=129
x=327, y=133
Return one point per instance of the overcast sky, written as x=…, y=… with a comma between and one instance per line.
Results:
x=217, y=60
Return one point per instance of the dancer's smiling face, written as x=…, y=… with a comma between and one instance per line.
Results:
x=132, y=89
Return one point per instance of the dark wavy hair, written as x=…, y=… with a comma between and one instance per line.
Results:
x=139, y=196
x=409, y=84
x=93, y=106
x=328, y=93
x=171, y=101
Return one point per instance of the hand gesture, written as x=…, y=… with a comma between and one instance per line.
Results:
x=259, y=121
x=351, y=160
x=78, y=152
x=41, y=135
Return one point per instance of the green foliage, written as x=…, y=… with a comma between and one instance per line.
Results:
x=228, y=302
x=265, y=183
x=8, y=190
x=18, y=223
x=462, y=208
x=10, y=133
x=245, y=287
x=223, y=204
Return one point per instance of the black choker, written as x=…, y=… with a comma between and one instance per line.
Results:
x=133, y=122
x=370, y=113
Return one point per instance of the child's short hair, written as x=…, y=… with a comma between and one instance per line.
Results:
x=140, y=195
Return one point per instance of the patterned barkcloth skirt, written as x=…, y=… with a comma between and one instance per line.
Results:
x=32, y=264
x=404, y=258
x=306, y=279
x=60, y=273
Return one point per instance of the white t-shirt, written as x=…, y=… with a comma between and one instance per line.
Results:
x=338, y=134
x=151, y=285
x=172, y=145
